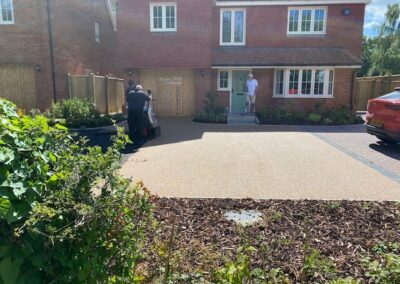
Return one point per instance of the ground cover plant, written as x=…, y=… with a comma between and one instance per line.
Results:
x=317, y=116
x=80, y=113
x=66, y=216
x=296, y=242
x=212, y=112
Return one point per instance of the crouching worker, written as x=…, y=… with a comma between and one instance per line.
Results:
x=136, y=100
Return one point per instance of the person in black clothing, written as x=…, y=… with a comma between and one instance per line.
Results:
x=136, y=100
x=131, y=87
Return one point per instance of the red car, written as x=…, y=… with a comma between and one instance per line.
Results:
x=383, y=117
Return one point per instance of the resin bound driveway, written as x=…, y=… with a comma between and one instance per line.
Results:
x=192, y=160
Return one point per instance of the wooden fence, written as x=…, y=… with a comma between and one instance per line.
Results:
x=366, y=88
x=107, y=92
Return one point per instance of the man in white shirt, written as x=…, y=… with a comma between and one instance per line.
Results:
x=251, y=87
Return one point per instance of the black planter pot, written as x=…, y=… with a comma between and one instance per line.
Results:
x=99, y=136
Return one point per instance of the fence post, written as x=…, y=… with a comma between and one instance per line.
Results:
x=69, y=79
x=91, y=86
x=372, y=94
x=106, y=93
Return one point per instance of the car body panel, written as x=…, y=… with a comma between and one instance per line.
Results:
x=383, y=117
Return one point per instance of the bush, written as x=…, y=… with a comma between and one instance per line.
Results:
x=342, y=116
x=283, y=115
x=212, y=113
x=80, y=113
x=206, y=117
x=66, y=216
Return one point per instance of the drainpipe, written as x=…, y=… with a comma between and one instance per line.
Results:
x=51, y=45
x=352, y=89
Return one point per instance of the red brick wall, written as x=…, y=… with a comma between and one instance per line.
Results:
x=26, y=42
x=266, y=26
x=76, y=49
x=189, y=47
x=265, y=78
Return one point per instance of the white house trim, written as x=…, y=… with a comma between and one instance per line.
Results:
x=313, y=9
x=232, y=43
x=288, y=2
x=112, y=14
x=164, y=17
x=285, y=67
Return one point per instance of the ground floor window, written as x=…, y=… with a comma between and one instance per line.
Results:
x=223, y=80
x=304, y=82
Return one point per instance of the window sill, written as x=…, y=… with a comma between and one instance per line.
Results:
x=322, y=34
x=163, y=31
x=223, y=90
x=7, y=23
x=232, y=44
x=303, y=97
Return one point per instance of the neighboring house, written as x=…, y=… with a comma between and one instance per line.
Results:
x=300, y=51
x=43, y=40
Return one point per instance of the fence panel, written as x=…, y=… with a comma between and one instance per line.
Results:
x=106, y=92
x=79, y=87
x=372, y=87
x=120, y=94
x=112, y=95
x=99, y=89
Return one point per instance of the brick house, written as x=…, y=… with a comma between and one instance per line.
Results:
x=300, y=51
x=43, y=40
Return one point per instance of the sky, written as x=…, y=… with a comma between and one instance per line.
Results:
x=375, y=15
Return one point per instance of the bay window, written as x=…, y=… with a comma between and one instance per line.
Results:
x=304, y=82
x=232, y=27
x=308, y=20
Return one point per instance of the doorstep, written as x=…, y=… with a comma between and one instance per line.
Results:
x=240, y=119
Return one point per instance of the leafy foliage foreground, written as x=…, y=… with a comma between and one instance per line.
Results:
x=66, y=216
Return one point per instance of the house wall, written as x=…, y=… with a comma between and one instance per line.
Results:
x=189, y=47
x=198, y=33
x=266, y=26
x=75, y=47
x=26, y=42
x=265, y=77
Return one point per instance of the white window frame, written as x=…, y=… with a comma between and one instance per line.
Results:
x=232, y=42
x=286, y=81
x=2, y=22
x=97, y=31
x=228, y=88
x=311, y=32
x=164, y=17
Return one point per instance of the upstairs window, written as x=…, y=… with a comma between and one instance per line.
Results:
x=163, y=17
x=97, y=31
x=6, y=12
x=233, y=27
x=307, y=21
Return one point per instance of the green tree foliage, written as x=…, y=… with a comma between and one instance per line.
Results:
x=381, y=55
x=66, y=216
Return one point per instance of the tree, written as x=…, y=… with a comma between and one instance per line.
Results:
x=385, y=56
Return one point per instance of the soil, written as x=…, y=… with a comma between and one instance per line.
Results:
x=342, y=231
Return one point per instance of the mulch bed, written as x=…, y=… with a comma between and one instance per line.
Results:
x=344, y=231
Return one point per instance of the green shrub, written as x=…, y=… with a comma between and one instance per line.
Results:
x=314, y=117
x=341, y=116
x=66, y=216
x=314, y=264
x=80, y=113
x=73, y=109
x=205, y=117
x=237, y=271
x=383, y=266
